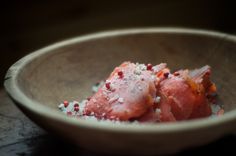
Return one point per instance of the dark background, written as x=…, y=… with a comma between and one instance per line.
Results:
x=27, y=25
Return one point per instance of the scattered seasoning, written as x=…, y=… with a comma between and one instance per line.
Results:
x=66, y=103
x=108, y=85
x=157, y=99
x=104, y=93
x=154, y=77
x=158, y=111
x=121, y=100
x=140, y=88
x=61, y=106
x=114, y=98
x=76, y=104
x=166, y=75
x=76, y=108
x=95, y=89
x=137, y=72
x=112, y=88
x=141, y=67
x=120, y=74
x=149, y=66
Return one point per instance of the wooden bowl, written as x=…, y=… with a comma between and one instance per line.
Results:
x=66, y=70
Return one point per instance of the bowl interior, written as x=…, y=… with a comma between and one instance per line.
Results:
x=67, y=72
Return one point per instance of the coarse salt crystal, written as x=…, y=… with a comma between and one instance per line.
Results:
x=94, y=89
x=142, y=67
x=155, y=69
x=139, y=68
x=158, y=111
x=121, y=100
x=61, y=106
x=153, y=77
x=112, y=87
x=104, y=93
x=137, y=72
x=140, y=88
x=215, y=108
x=114, y=98
x=157, y=99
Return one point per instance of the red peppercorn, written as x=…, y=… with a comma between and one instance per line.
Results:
x=166, y=75
x=76, y=108
x=108, y=85
x=66, y=103
x=120, y=74
x=76, y=105
x=149, y=66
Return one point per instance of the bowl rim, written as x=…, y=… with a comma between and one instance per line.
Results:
x=18, y=96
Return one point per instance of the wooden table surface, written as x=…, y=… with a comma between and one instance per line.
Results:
x=21, y=137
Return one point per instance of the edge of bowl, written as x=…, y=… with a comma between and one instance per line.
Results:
x=13, y=90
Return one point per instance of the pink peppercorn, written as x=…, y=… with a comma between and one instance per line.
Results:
x=66, y=103
x=108, y=85
x=149, y=66
x=76, y=108
x=76, y=105
x=120, y=74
